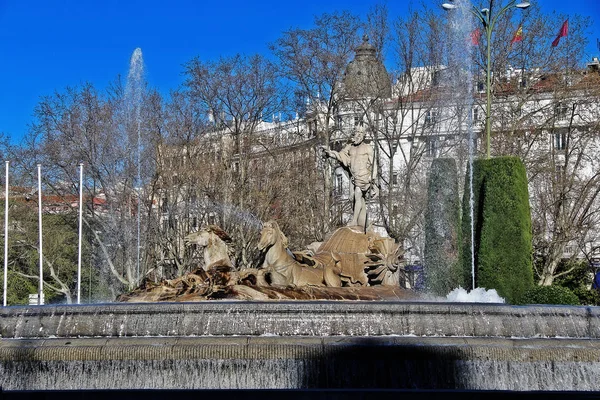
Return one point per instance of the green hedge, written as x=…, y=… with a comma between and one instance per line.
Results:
x=587, y=297
x=549, y=295
x=503, y=239
x=442, y=228
x=19, y=288
x=578, y=277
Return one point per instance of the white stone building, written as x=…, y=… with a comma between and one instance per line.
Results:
x=551, y=121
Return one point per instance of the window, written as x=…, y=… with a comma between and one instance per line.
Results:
x=165, y=205
x=338, y=185
x=194, y=222
x=357, y=121
x=431, y=117
x=435, y=79
x=523, y=83
x=476, y=114
x=394, y=178
x=480, y=87
x=570, y=250
x=312, y=127
x=431, y=149
x=561, y=111
x=339, y=121
x=560, y=140
x=211, y=219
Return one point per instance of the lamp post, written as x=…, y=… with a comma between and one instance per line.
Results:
x=488, y=20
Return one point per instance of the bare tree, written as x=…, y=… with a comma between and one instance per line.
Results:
x=407, y=127
x=545, y=112
x=82, y=125
x=314, y=60
x=236, y=94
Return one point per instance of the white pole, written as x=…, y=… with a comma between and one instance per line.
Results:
x=41, y=286
x=5, y=235
x=80, y=230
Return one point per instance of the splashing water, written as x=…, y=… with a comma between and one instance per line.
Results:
x=478, y=295
x=134, y=96
x=238, y=215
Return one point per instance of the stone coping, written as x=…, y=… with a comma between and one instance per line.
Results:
x=300, y=318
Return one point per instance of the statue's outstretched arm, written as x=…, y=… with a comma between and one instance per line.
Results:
x=343, y=155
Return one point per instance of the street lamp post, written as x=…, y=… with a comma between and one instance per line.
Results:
x=485, y=17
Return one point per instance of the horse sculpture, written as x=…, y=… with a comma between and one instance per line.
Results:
x=213, y=239
x=283, y=268
x=346, y=258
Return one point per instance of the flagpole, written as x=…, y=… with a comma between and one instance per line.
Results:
x=523, y=79
x=41, y=285
x=5, y=235
x=567, y=66
x=80, y=230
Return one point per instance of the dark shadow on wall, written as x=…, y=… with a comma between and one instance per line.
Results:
x=383, y=363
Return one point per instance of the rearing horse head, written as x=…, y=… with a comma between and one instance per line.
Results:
x=204, y=236
x=270, y=235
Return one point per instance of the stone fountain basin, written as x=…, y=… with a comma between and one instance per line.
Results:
x=300, y=345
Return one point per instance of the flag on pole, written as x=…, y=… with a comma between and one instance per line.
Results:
x=475, y=36
x=564, y=31
x=518, y=37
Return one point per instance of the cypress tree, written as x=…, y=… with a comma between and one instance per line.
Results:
x=442, y=228
x=503, y=247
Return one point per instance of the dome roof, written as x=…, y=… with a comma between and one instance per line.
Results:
x=366, y=76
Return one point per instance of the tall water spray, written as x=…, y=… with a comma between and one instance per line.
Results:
x=134, y=98
x=463, y=40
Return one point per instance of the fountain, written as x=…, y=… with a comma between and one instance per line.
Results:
x=300, y=345
x=316, y=344
x=134, y=98
x=364, y=345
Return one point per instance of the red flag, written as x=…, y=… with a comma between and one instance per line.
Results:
x=518, y=37
x=564, y=31
x=475, y=36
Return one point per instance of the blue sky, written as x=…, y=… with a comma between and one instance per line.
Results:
x=46, y=46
